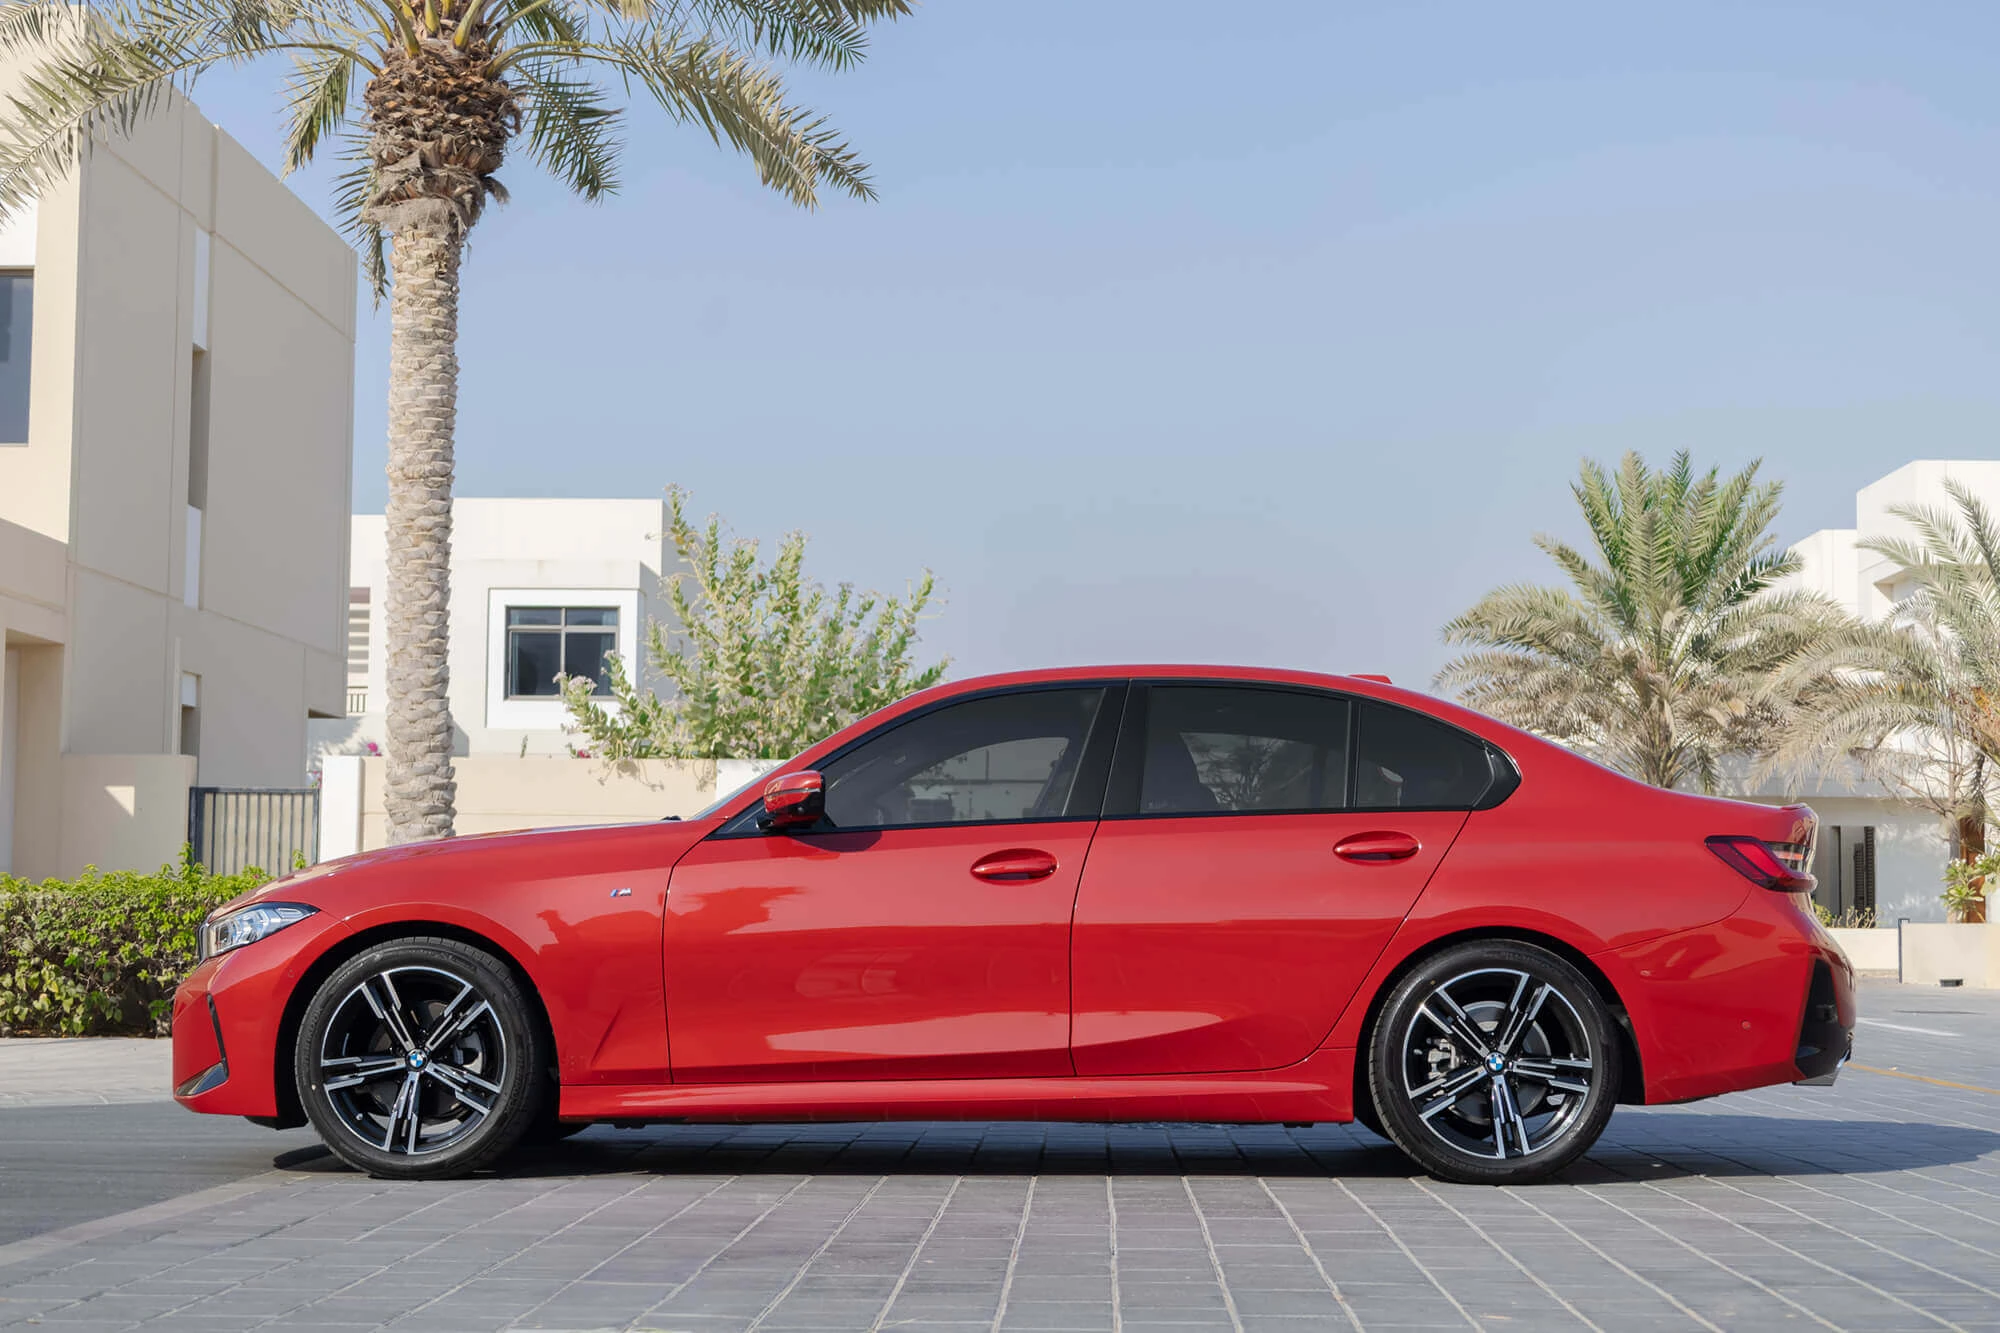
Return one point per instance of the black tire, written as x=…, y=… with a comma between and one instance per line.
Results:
x=1433, y=1075
x=546, y=1129
x=433, y=1057
x=1366, y=1115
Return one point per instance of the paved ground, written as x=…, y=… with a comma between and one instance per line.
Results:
x=64, y=1165
x=107, y=1071
x=1875, y=1205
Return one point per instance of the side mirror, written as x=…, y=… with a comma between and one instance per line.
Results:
x=794, y=800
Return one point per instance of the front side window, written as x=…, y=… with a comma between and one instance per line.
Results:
x=1001, y=758
x=1218, y=748
x=546, y=641
x=1406, y=761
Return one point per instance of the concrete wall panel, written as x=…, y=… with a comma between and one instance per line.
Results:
x=280, y=234
x=275, y=531
x=252, y=683
x=497, y=793
x=125, y=811
x=129, y=371
x=118, y=688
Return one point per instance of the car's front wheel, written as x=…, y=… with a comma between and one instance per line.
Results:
x=418, y=1059
x=1494, y=1062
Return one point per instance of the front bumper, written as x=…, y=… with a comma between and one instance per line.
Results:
x=229, y=1020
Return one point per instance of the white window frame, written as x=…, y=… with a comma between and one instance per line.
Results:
x=507, y=714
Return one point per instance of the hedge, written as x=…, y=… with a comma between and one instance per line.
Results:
x=101, y=954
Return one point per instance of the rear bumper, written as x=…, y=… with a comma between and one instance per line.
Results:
x=1826, y=1041
x=1762, y=997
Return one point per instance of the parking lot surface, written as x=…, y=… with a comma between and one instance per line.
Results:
x=1871, y=1205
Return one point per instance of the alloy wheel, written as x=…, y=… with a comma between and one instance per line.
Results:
x=1497, y=1062
x=413, y=1060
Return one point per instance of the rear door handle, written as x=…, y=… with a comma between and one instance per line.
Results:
x=1014, y=865
x=1376, y=848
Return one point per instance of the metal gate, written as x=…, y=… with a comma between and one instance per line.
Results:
x=235, y=828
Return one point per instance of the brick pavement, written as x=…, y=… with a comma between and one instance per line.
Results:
x=1870, y=1205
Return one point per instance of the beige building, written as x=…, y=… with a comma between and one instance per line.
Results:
x=176, y=421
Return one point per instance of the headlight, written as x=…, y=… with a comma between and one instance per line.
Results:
x=247, y=925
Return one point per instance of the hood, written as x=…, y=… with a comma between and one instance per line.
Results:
x=316, y=883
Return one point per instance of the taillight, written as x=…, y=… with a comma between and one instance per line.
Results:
x=1771, y=865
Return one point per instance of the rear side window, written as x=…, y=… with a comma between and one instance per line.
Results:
x=1406, y=761
x=1222, y=748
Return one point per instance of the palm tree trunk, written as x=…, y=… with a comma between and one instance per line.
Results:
x=423, y=408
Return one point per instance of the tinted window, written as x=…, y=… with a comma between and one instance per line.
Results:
x=17, y=326
x=1221, y=748
x=1003, y=757
x=1404, y=760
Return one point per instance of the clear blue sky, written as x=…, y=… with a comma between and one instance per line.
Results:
x=1258, y=333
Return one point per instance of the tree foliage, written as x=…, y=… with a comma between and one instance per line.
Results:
x=423, y=96
x=1914, y=699
x=1657, y=658
x=762, y=660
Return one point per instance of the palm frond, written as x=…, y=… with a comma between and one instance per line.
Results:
x=90, y=73
x=736, y=100
x=316, y=104
x=828, y=33
x=570, y=129
x=353, y=188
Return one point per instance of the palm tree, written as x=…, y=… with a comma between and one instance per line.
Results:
x=1914, y=699
x=429, y=95
x=1655, y=660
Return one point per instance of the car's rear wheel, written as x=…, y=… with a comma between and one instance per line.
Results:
x=418, y=1059
x=1494, y=1062
x=1366, y=1115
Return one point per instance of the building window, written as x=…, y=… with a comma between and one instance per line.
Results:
x=191, y=716
x=357, y=650
x=546, y=641
x=17, y=324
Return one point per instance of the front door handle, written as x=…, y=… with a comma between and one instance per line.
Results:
x=1376, y=848
x=1014, y=865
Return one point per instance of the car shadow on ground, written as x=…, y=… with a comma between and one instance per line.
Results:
x=1649, y=1147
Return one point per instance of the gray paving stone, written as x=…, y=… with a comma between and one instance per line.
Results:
x=1875, y=1204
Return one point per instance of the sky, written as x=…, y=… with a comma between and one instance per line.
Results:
x=1263, y=334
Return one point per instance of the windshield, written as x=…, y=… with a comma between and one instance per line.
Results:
x=731, y=782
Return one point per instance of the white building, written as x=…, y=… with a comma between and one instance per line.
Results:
x=1876, y=851
x=176, y=398
x=537, y=587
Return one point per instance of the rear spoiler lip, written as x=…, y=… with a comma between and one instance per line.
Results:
x=1804, y=826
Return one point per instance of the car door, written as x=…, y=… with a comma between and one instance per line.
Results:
x=921, y=928
x=1258, y=848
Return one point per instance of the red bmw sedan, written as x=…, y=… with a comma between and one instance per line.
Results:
x=1134, y=893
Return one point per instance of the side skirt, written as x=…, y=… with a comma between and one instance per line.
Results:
x=1315, y=1089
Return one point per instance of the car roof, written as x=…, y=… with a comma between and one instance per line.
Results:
x=1443, y=709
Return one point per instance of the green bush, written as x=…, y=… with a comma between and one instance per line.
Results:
x=102, y=953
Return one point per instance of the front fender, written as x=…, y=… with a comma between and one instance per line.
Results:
x=593, y=961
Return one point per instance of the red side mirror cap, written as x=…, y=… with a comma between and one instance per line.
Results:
x=793, y=800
